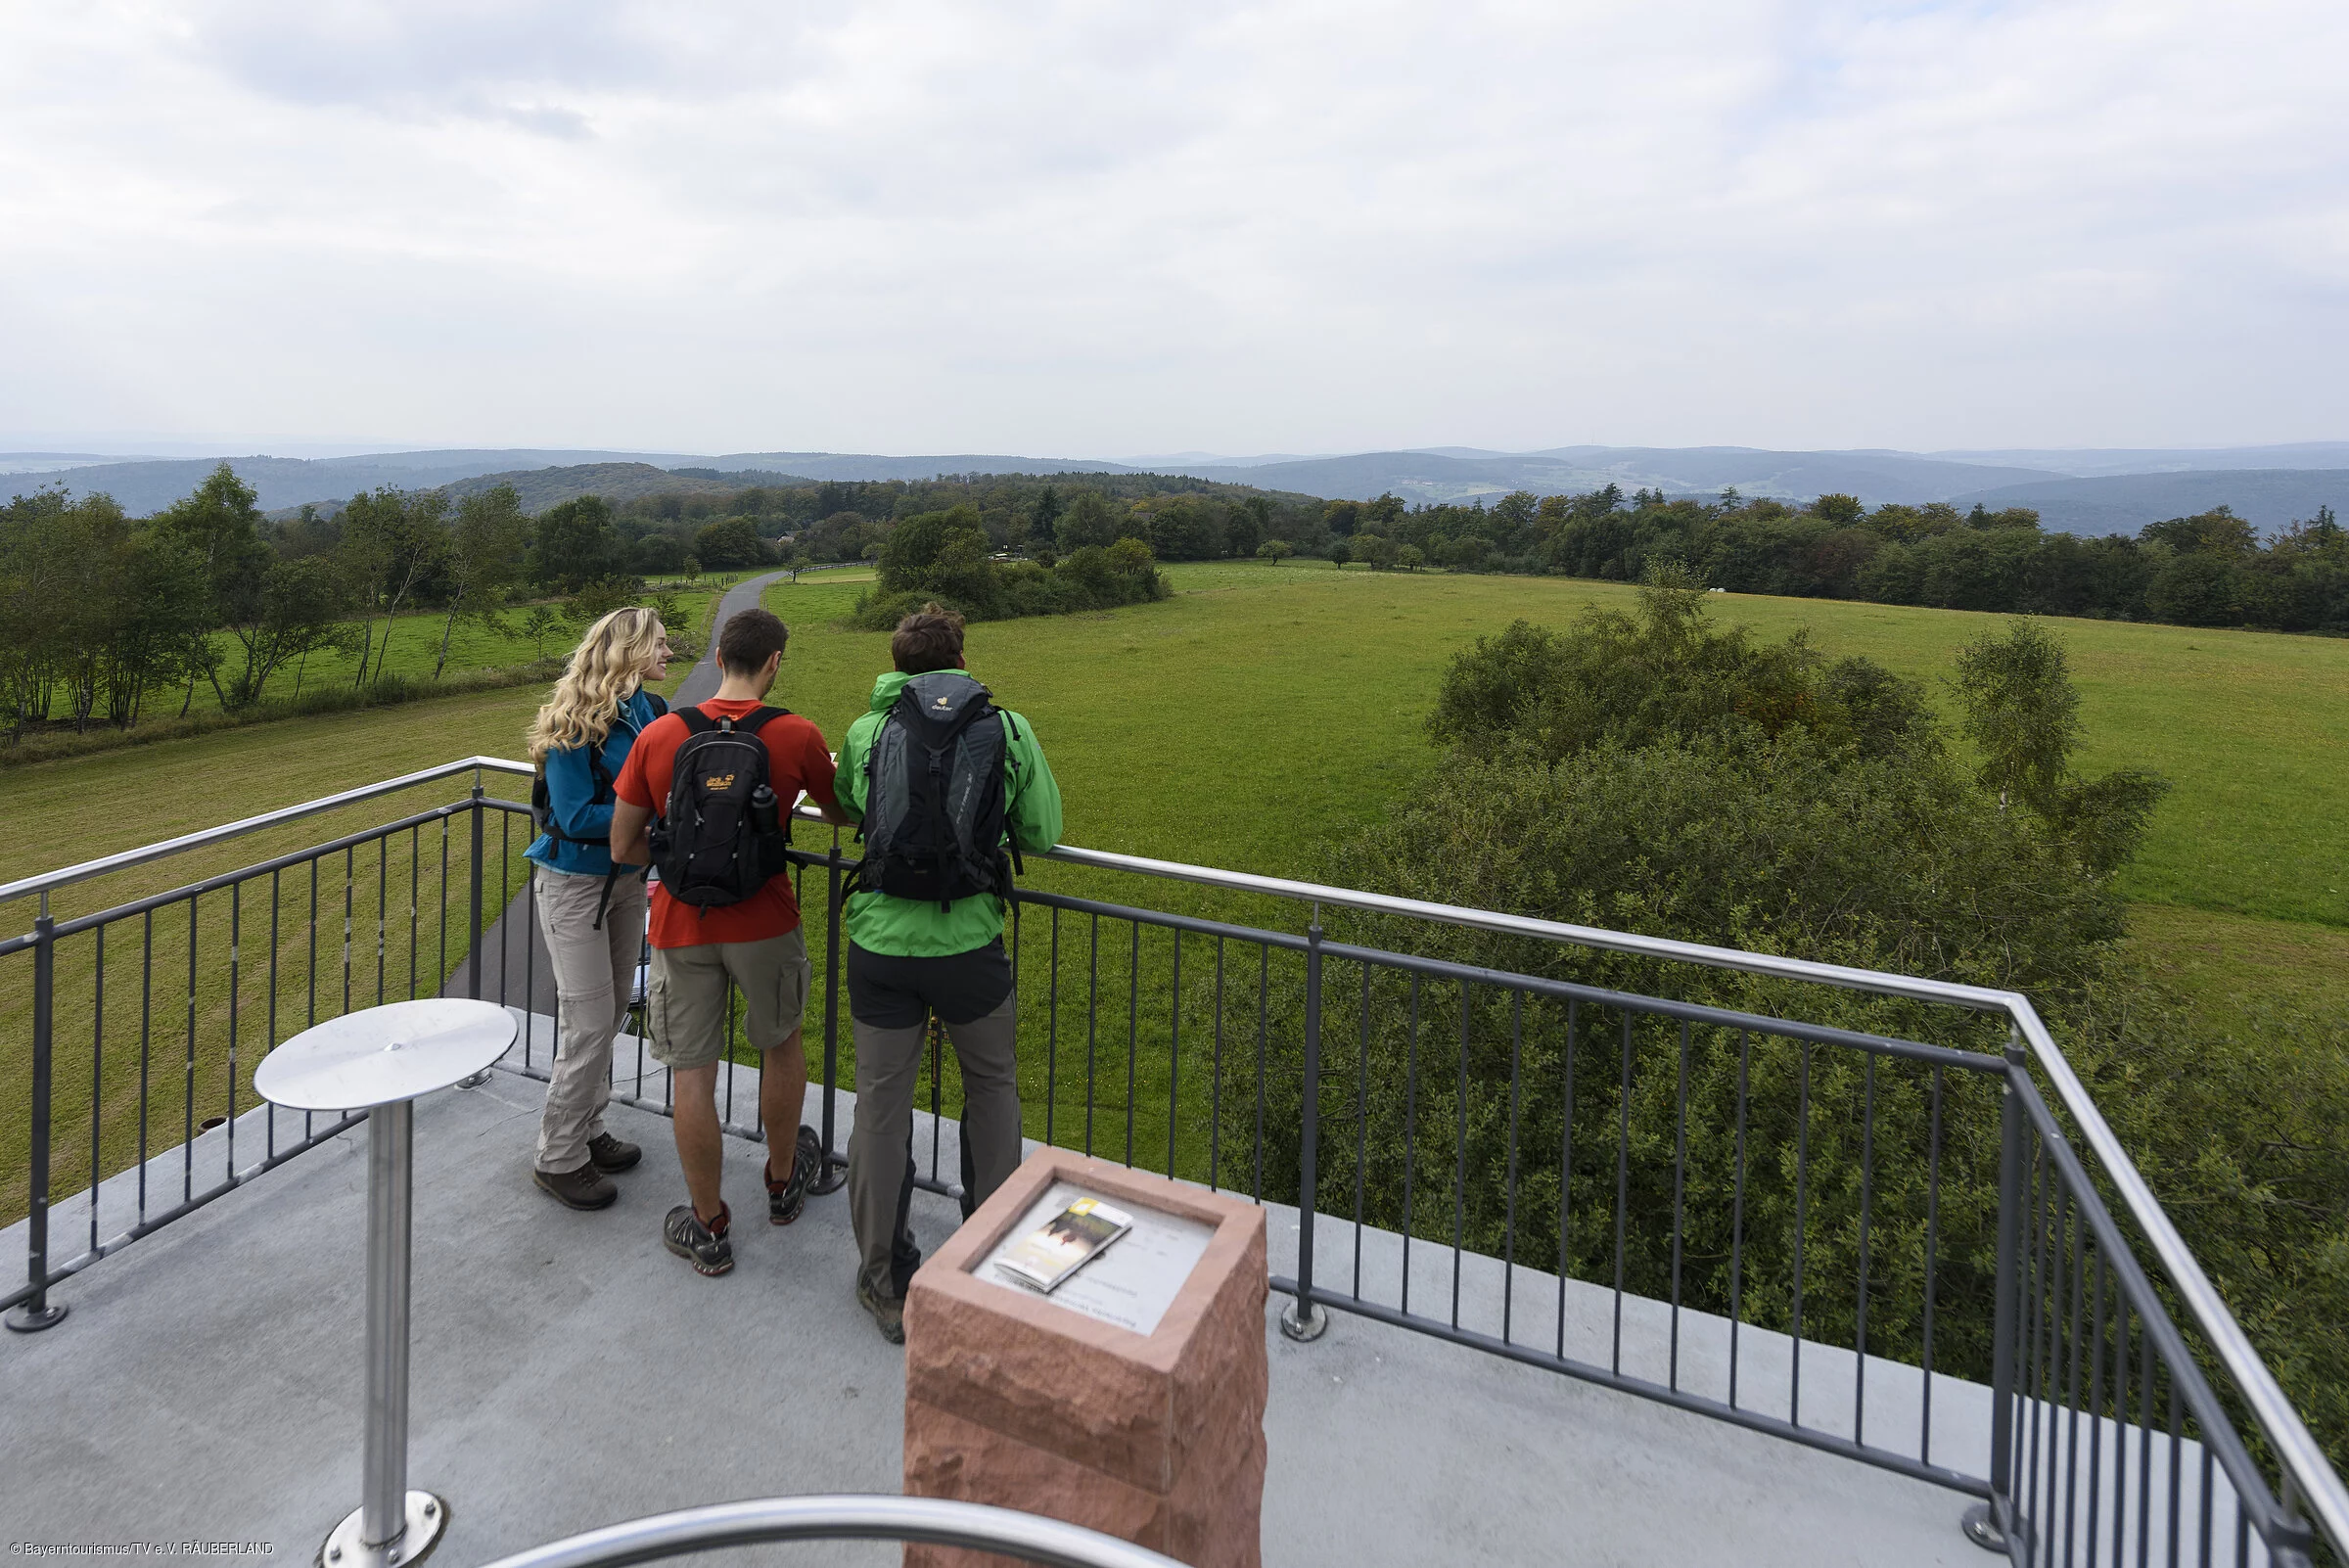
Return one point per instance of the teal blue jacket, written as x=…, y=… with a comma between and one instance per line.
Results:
x=586, y=848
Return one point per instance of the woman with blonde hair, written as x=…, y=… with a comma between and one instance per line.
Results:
x=590, y=911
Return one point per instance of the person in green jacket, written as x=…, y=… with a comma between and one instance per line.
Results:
x=911, y=958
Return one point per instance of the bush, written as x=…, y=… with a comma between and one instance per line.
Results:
x=1656, y=774
x=943, y=556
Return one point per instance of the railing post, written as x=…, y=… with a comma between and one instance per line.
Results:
x=1995, y=1525
x=40, y=1311
x=1305, y=1319
x=474, y=987
x=473, y=952
x=834, y=1175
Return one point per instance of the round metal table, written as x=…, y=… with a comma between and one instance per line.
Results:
x=380, y=1060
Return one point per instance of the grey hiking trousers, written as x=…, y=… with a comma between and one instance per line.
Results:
x=880, y=1158
x=594, y=972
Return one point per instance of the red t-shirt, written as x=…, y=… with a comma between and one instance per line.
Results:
x=795, y=761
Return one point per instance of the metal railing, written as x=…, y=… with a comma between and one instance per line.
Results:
x=931, y=1521
x=1890, y=1248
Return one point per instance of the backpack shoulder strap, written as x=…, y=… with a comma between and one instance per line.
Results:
x=696, y=721
x=659, y=702
x=757, y=719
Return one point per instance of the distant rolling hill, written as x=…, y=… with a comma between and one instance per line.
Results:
x=868, y=465
x=279, y=482
x=542, y=487
x=1458, y=474
x=2273, y=498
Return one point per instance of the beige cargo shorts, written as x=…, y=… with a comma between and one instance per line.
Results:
x=688, y=1003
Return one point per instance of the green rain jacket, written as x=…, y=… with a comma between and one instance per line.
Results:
x=907, y=928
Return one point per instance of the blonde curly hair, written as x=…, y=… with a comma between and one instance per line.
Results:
x=604, y=671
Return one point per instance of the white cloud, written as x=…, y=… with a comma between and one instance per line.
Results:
x=1088, y=227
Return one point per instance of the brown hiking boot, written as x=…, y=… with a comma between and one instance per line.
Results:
x=583, y=1188
x=612, y=1155
x=888, y=1311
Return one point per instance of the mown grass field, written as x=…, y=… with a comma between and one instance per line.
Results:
x=1243, y=723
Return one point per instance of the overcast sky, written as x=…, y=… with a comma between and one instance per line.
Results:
x=1098, y=229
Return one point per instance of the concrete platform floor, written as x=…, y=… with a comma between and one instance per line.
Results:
x=569, y=1372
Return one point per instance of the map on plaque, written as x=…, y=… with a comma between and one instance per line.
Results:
x=1131, y=1281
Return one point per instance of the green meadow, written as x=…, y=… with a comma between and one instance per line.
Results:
x=1244, y=724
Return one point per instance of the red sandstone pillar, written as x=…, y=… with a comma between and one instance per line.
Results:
x=1039, y=1402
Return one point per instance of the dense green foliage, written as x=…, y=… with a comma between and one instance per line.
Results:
x=942, y=557
x=1654, y=774
x=2206, y=570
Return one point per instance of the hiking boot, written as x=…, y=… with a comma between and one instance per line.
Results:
x=706, y=1247
x=610, y=1155
x=583, y=1188
x=784, y=1199
x=888, y=1311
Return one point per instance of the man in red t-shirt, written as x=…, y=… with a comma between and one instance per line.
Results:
x=755, y=943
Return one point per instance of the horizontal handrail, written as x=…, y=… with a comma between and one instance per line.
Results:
x=2303, y=1461
x=49, y=881
x=850, y=1516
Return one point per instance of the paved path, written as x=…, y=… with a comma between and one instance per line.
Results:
x=504, y=942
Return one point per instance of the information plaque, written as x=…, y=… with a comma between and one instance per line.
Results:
x=1133, y=1282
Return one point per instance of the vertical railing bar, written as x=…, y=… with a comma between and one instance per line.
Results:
x=1737, y=1215
x=1410, y=1129
x=98, y=1073
x=1306, y=1319
x=415, y=902
x=1802, y=1215
x=441, y=974
x=2071, y=1396
x=146, y=1043
x=1566, y=1173
x=270, y=1117
x=1868, y=1172
x=1460, y=1176
x=1508, y=1231
x=2095, y=1410
x=187, y=1142
x=2203, y=1537
x=2177, y=1470
x=38, y=1312
x=2122, y=1315
x=1052, y=1035
x=235, y=986
x=1214, y=1088
x=1623, y=1188
x=1361, y=1124
x=1175, y=1056
x=937, y=1090
x=1679, y=1175
x=2036, y=1359
x=383, y=913
x=311, y=983
x=1264, y=1003
x=1092, y=1013
x=1133, y=1030
x=2145, y=1455
x=1924, y=1440
x=350, y=895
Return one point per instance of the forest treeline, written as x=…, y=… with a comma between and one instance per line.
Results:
x=2211, y=570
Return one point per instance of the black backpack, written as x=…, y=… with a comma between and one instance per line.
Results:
x=709, y=850
x=934, y=797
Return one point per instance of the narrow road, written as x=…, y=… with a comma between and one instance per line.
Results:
x=503, y=940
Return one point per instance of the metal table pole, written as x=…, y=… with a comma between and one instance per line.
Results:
x=381, y=1059
x=391, y=1525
